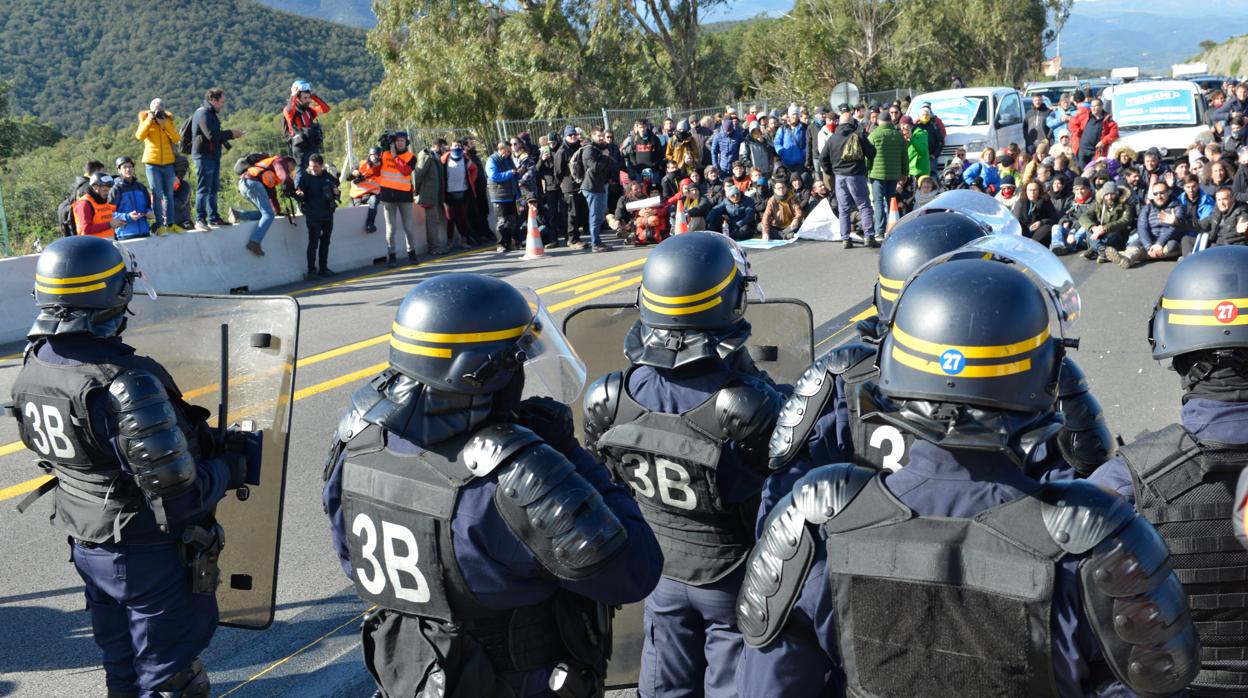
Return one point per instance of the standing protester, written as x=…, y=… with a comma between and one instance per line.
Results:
x=1182, y=477
x=82, y=184
x=725, y=145
x=885, y=168
x=554, y=219
x=503, y=188
x=461, y=183
x=1036, y=123
x=595, y=168
x=430, y=182
x=524, y=540
x=259, y=184
x=131, y=201
x=790, y=142
x=573, y=204
x=396, y=194
x=317, y=192
x=159, y=135
x=137, y=473
x=918, y=158
x=365, y=188
x=687, y=426
x=299, y=121
x=1092, y=131
x=642, y=150
x=208, y=142
x=183, y=219
x=92, y=212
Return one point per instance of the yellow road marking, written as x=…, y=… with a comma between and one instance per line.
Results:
x=9, y=449
x=866, y=313
x=23, y=487
x=387, y=272
x=602, y=272
x=594, y=294
x=588, y=285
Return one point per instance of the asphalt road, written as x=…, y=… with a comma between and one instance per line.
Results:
x=46, y=647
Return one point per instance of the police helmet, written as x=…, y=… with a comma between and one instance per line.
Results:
x=915, y=242
x=695, y=281
x=1202, y=303
x=82, y=284
x=972, y=332
x=101, y=179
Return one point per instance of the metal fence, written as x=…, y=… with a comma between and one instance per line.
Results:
x=884, y=96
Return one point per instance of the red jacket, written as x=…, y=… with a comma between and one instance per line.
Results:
x=294, y=118
x=1109, y=130
x=472, y=171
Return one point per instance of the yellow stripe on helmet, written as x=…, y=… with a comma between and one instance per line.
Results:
x=70, y=281
x=74, y=289
x=1181, y=304
x=682, y=311
x=456, y=338
x=933, y=367
x=886, y=294
x=679, y=300
x=1205, y=320
x=971, y=352
x=407, y=348
x=893, y=284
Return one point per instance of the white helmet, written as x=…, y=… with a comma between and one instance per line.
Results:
x=300, y=86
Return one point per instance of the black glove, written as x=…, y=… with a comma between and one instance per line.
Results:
x=247, y=445
x=237, y=463
x=549, y=419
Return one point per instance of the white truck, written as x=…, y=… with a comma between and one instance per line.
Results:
x=1165, y=114
x=975, y=118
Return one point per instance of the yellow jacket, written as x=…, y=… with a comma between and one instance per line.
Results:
x=157, y=140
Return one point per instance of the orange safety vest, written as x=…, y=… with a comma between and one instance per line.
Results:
x=390, y=177
x=102, y=213
x=364, y=187
x=263, y=171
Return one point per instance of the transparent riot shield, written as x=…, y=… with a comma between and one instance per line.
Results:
x=183, y=333
x=781, y=343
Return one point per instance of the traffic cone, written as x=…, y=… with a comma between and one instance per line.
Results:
x=533, y=247
x=892, y=215
x=682, y=221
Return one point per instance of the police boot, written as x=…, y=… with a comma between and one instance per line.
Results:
x=189, y=683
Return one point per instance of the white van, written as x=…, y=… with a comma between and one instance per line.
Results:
x=975, y=118
x=1165, y=114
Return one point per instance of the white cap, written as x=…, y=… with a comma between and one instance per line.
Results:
x=157, y=104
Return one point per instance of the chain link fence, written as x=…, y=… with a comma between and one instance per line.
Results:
x=537, y=128
x=885, y=96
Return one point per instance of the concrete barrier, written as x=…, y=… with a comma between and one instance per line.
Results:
x=218, y=261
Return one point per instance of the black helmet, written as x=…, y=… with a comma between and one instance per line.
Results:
x=461, y=333
x=1201, y=305
x=972, y=332
x=694, y=281
x=82, y=285
x=916, y=242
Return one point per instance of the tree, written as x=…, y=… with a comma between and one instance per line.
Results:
x=21, y=134
x=1208, y=45
x=674, y=26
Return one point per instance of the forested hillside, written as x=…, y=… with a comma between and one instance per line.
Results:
x=81, y=64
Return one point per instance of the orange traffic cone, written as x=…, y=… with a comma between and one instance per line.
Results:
x=682, y=221
x=533, y=246
x=892, y=215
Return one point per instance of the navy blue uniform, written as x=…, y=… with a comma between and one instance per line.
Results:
x=145, y=618
x=803, y=659
x=499, y=569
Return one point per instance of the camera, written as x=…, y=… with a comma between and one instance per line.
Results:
x=385, y=141
x=160, y=114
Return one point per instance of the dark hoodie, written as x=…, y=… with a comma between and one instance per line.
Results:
x=835, y=146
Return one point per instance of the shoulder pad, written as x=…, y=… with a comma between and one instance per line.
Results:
x=601, y=402
x=777, y=566
x=1071, y=380
x=557, y=514
x=747, y=409
x=1079, y=515
x=1139, y=611
x=811, y=394
x=492, y=446
x=151, y=441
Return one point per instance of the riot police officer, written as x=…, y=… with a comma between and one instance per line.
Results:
x=687, y=428
x=491, y=541
x=959, y=574
x=1182, y=477
x=138, y=473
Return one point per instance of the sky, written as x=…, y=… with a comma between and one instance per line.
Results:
x=745, y=9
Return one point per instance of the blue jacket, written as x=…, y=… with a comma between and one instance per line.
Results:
x=989, y=173
x=1150, y=228
x=790, y=144
x=1204, y=208
x=500, y=175
x=130, y=196
x=725, y=148
x=739, y=215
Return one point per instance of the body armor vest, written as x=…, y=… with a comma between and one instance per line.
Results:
x=1186, y=489
x=944, y=607
x=876, y=444
x=95, y=498
x=671, y=461
x=397, y=511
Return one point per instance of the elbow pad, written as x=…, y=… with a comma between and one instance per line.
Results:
x=1085, y=440
x=814, y=391
x=151, y=440
x=601, y=403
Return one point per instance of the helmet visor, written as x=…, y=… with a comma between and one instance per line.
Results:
x=133, y=270
x=980, y=207
x=551, y=366
x=743, y=267
x=1035, y=260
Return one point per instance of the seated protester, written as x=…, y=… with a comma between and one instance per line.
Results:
x=696, y=205
x=756, y=151
x=926, y=191
x=649, y=183
x=1239, y=184
x=1063, y=166
x=1060, y=194
x=132, y=202
x=735, y=215
x=714, y=185
x=783, y=214
x=904, y=193
x=182, y=216
x=93, y=213
x=696, y=177
x=1069, y=235
x=1044, y=173
x=759, y=192
x=1108, y=222
x=1007, y=166
x=364, y=186
x=985, y=170
x=1009, y=192
x=317, y=192
x=798, y=186
x=951, y=177
x=1236, y=135
x=622, y=220
x=671, y=181
x=1194, y=206
x=1156, y=234
x=1035, y=212
x=958, y=161
x=1121, y=159
x=818, y=194
x=1227, y=225
x=1131, y=187
x=1154, y=169
x=740, y=176
x=1098, y=178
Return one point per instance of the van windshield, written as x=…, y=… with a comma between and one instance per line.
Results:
x=955, y=111
x=1148, y=107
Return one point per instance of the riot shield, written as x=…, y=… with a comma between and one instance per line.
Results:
x=782, y=344
x=183, y=333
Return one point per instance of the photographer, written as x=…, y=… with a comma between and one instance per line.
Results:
x=208, y=142
x=299, y=120
x=317, y=190
x=159, y=135
x=364, y=186
x=396, y=197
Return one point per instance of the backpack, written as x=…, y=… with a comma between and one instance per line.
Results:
x=578, y=165
x=188, y=133
x=65, y=217
x=247, y=161
x=852, y=150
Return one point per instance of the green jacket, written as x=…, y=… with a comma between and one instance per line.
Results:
x=889, y=163
x=430, y=182
x=1116, y=219
x=918, y=154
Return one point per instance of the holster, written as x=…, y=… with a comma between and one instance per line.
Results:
x=201, y=550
